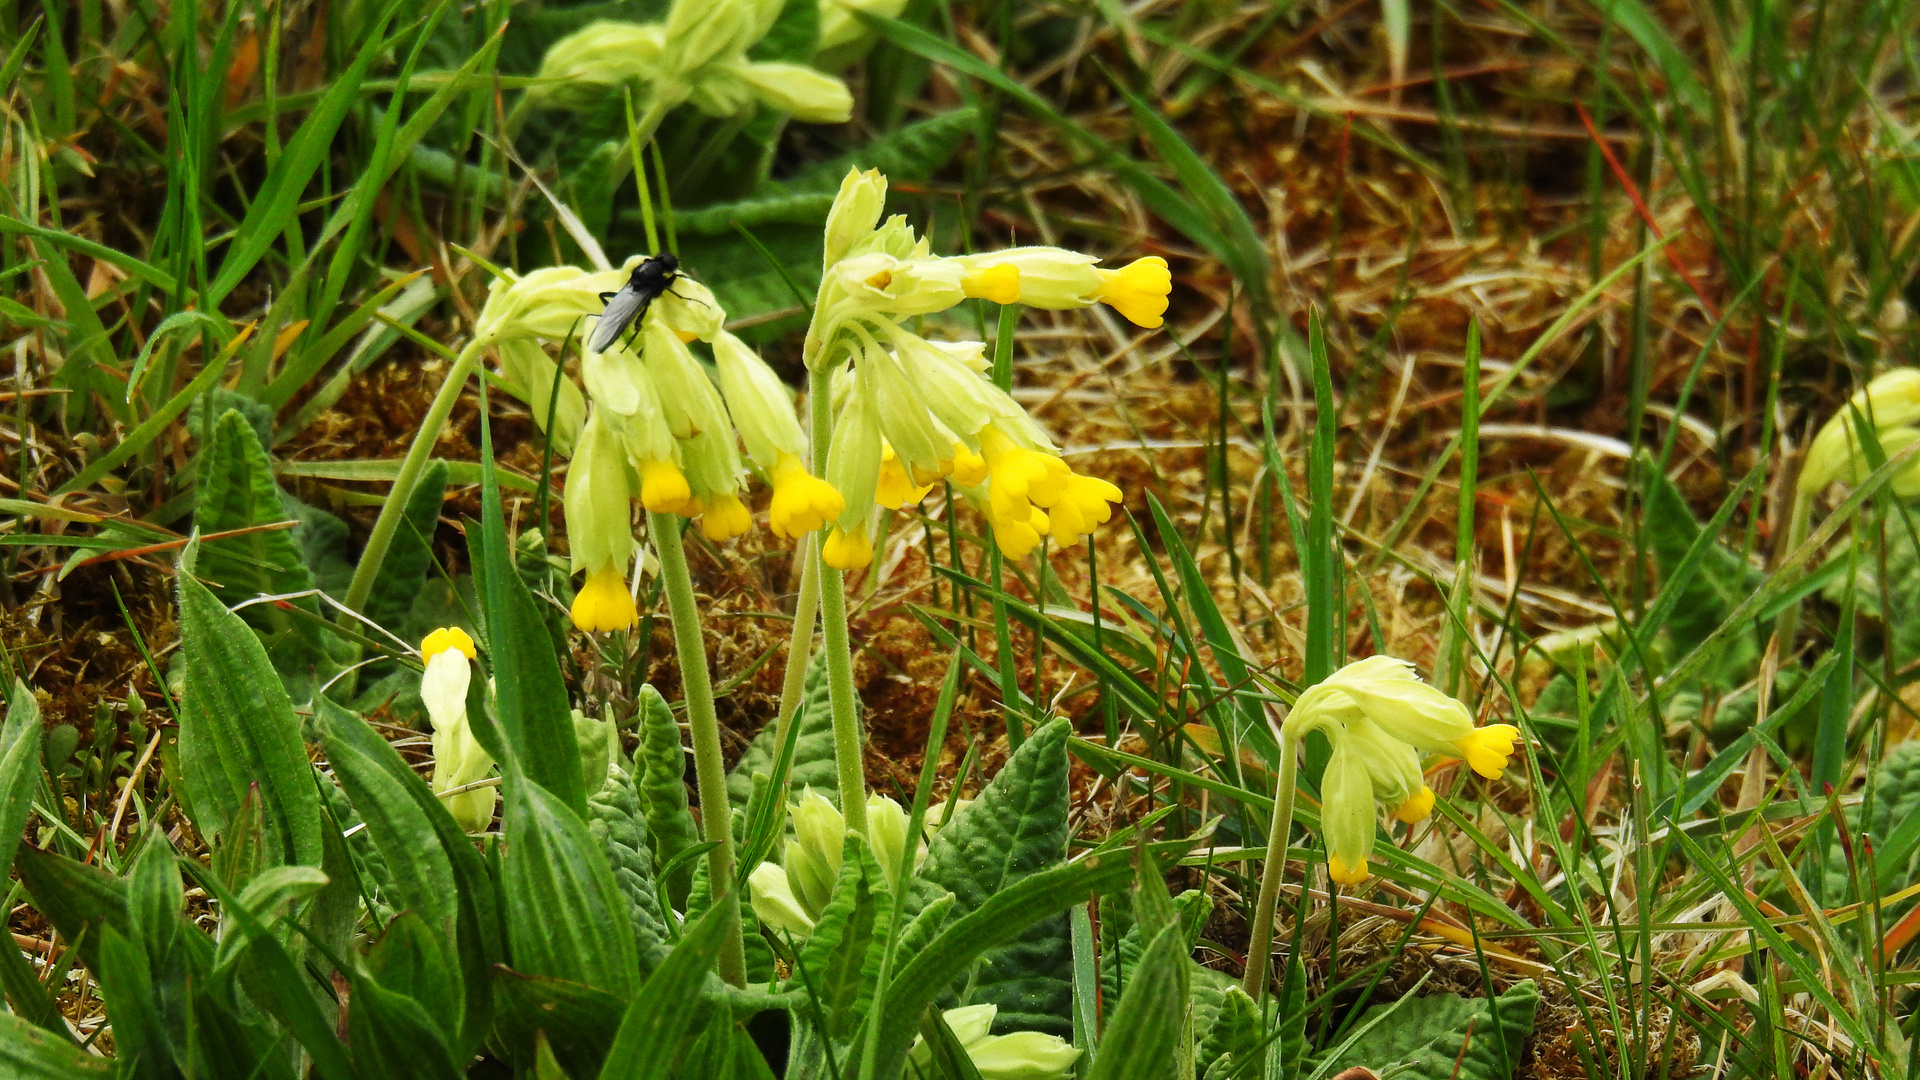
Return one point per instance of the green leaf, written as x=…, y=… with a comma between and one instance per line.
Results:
x=396, y=1037
x=914, y=152
x=1894, y=825
x=662, y=771
x=566, y=916
x=31, y=1053
x=238, y=730
x=1236, y=1035
x=657, y=1021
x=236, y=492
x=813, y=765
x=19, y=766
x=841, y=960
x=1141, y=1037
x=614, y=819
x=794, y=35
x=1000, y=920
x=1445, y=1036
x=1017, y=827
x=432, y=867
x=577, y=1020
x=77, y=899
x=1287, y=1052
x=411, y=959
x=530, y=695
x=139, y=1035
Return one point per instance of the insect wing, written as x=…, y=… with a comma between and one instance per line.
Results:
x=627, y=305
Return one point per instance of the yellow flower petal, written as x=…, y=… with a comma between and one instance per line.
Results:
x=1138, y=290
x=663, y=488
x=603, y=603
x=1486, y=749
x=847, y=550
x=727, y=518
x=802, y=502
x=447, y=637
x=1417, y=807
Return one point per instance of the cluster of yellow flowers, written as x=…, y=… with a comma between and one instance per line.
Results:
x=1380, y=718
x=659, y=430
x=912, y=411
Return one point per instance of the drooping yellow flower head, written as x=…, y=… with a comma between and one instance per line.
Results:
x=802, y=502
x=603, y=603
x=1380, y=717
x=725, y=519
x=847, y=549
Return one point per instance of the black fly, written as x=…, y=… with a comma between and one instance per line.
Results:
x=655, y=275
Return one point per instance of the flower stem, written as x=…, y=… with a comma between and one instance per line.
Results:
x=716, y=822
x=411, y=467
x=806, y=612
x=847, y=741
x=1260, y=946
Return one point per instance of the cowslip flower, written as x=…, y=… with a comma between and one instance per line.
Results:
x=910, y=412
x=458, y=759
x=1890, y=405
x=660, y=431
x=1058, y=279
x=697, y=55
x=1017, y=1055
x=1380, y=717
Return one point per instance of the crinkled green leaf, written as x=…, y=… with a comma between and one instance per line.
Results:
x=1142, y=1036
x=1235, y=1035
x=238, y=730
x=1446, y=1036
x=841, y=958
x=615, y=819
x=566, y=916
x=661, y=770
x=1017, y=827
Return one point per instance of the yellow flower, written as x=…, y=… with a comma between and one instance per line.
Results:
x=1380, y=716
x=969, y=468
x=1032, y=493
x=458, y=759
x=1417, y=806
x=1486, y=749
x=1138, y=290
x=1346, y=814
x=663, y=488
x=1000, y=284
x=896, y=489
x=447, y=637
x=802, y=502
x=603, y=603
x=726, y=518
x=1081, y=504
x=847, y=549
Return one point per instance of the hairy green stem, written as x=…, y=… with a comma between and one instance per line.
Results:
x=806, y=612
x=1260, y=946
x=716, y=823
x=847, y=741
x=411, y=467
